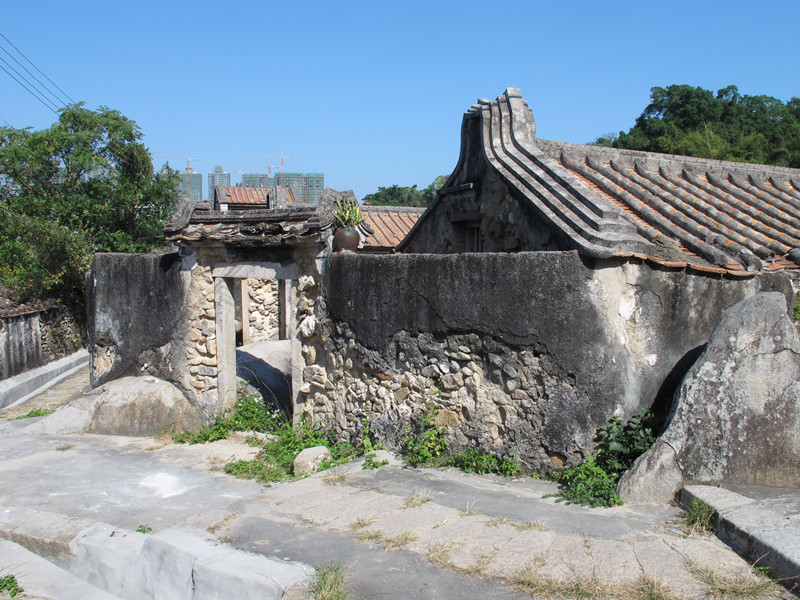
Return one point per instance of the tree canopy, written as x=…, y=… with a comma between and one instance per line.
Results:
x=86, y=184
x=692, y=121
x=405, y=196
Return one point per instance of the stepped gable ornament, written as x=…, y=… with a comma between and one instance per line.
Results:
x=707, y=215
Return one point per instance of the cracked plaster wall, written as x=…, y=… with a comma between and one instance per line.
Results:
x=526, y=355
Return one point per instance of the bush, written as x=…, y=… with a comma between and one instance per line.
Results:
x=594, y=482
x=589, y=484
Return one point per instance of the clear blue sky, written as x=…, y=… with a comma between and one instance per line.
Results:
x=372, y=93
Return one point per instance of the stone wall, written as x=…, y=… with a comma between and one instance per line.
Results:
x=263, y=304
x=153, y=314
x=525, y=355
x=33, y=340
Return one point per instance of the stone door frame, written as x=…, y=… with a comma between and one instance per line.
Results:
x=225, y=276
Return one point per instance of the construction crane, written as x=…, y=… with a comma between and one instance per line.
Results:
x=282, y=157
x=188, y=168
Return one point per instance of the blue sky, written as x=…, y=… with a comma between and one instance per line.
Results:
x=372, y=93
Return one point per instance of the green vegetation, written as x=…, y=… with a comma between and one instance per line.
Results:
x=328, y=584
x=699, y=517
x=85, y=184
x=348, y=213
x=424, y=445
x=8, y=583
x=249, y=414
x=36, y=412
x=796, y=311
x=144, y=529
x=405, y=196
x=594, y=482
x=692, y=121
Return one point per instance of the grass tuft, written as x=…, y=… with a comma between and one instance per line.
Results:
x=646, y=587
x=468, y=510
x=328, y=584
x=418, y=499
x=699, y=517
x=530, y=582
x=361, y=523
x=742, y=586
x=399, y=541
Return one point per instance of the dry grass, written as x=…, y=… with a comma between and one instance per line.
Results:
x=531, y=526
x=530, y=582
x=496, y=521
x=480, y=565
x=334, y=479
x=65, y=447
x=400, y=541
x=468, y=511
x=745, y=586
x=370, y=536
x=439, y=554
x=418, y=499
x=361, y=523
x=649, y=588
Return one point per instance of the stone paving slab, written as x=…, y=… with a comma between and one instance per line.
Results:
x=469, y=539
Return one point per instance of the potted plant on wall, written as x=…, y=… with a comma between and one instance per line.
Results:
x=346, y=218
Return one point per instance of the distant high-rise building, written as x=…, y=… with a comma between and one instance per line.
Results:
x=195, y=185
x=218, y=177
x=309, y=185
x=257, y=180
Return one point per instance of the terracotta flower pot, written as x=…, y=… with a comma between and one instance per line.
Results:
x=346, y=239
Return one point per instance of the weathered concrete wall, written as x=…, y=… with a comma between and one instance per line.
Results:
x=32, y=340
x=173, y=316
x=526, y=354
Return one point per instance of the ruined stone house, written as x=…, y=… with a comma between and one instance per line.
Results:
x=549, y=287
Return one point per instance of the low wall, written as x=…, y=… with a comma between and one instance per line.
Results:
x=525, y=355
x=33, y=340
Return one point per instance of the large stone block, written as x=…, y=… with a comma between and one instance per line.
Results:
x=736, y=417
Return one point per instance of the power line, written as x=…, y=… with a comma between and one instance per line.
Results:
x=37, y=68
x=31, y=92
x=43, y=86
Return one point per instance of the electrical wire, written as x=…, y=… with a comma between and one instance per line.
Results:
x=37, y=68
x=117, y=148
x=49, y=105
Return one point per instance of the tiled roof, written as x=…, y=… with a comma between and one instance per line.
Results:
x=389, y=224
x=238, y=197
x=243, y=195
x=713, y=215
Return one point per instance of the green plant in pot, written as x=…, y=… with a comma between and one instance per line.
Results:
x=346, y=218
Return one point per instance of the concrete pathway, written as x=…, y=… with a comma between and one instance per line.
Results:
x=396, y=532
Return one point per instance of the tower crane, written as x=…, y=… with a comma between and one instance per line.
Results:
x=188, y=159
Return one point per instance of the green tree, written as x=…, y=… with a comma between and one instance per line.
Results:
x=405, y=196
x=85, y=184
x=681, y=119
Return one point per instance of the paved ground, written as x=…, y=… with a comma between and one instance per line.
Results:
x=396, y=532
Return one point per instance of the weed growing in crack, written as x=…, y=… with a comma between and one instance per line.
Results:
x=744, y=586
x=646, y=587
x=418, y=499
x=439, y=554
x=399, y=541
x=699, y=517
x=8, y=583
x=361, y=523
x=328, y=583
x=468, y=510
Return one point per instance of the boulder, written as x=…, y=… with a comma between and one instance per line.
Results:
x=141, y=406
x=309, y=460
x=736, y=415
